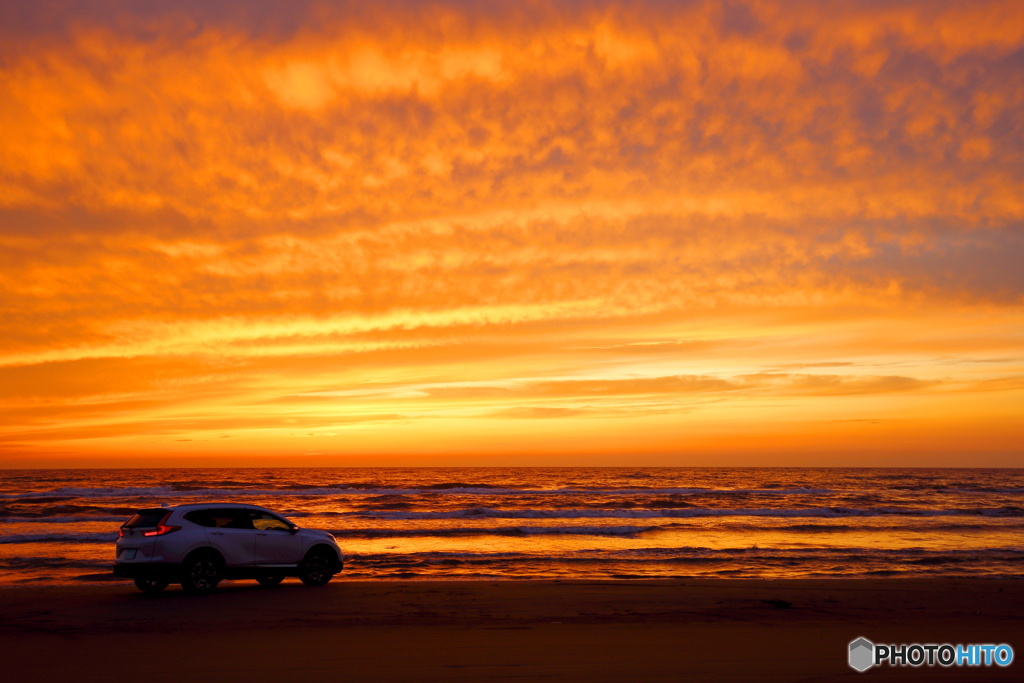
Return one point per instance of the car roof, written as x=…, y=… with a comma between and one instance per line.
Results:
x=207, y=506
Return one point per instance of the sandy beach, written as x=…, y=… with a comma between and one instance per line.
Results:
x=725, y=630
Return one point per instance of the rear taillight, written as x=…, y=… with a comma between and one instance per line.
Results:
x=161, y=528
x=120, y=532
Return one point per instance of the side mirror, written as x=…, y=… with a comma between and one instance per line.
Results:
x=293, y=530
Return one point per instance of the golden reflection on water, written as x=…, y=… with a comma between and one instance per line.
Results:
x=524, y=522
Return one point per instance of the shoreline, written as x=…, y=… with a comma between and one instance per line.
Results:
x=569, y=629
x=105, y=580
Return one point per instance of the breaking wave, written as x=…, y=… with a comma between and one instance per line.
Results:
x=182, y=490
x=686, y=513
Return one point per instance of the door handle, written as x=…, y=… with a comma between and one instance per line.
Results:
x=217, y=533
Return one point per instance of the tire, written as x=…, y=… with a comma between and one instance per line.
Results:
x=315, y=569
x=200, y=574
x=270, y=580
x=150, y=585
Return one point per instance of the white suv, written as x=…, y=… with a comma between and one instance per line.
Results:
x=199, y=545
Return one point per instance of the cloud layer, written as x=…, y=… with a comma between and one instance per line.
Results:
x=542, y=211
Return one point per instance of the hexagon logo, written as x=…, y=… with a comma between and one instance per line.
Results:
x=862, y=654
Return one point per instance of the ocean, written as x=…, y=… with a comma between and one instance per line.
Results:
x=59, y=526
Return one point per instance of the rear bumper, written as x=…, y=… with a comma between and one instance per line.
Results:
x=145, y=569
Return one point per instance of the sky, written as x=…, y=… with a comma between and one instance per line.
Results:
x=518, y=233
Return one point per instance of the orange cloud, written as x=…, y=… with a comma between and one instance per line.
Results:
x=210, y=210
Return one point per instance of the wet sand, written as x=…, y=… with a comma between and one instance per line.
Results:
x=716, y=630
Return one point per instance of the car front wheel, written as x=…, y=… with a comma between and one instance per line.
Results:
x=200, y=574
x=315, y=570
x=150, y=585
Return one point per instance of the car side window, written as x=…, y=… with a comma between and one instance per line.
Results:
x=201, y=517
x=230, y=518
x=220, y=518
x=240, y=519
x=264, y=522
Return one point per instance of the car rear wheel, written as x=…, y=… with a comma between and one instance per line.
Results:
x=200, y=574
x=150, y=585
x=315, y=570
x=270, y=580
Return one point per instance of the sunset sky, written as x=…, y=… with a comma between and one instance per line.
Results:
x=539, y=233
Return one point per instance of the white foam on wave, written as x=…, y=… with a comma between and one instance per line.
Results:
x=498, y=531
x=660, y=553
x=645, y=513
x=172, y=492
x=96, y=537
x=159, y=492
x=64, y=520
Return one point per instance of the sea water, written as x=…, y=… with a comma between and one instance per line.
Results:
x=59, y=526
